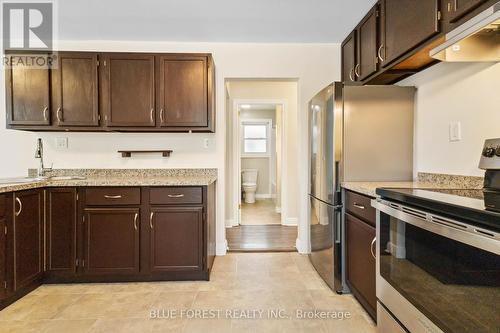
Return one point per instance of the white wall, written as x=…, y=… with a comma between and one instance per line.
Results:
x=449, y=92
x=313, y=65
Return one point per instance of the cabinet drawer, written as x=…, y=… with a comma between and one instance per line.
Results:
x=107, y=196
x=360, y=206
x=175, y=195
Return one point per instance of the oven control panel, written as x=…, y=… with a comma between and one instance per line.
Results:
x=490, y=157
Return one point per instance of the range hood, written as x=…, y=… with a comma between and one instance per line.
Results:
x=477, y=40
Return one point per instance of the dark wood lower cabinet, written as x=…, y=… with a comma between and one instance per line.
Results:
x=146, y=234
x=28, y=238
x=61, y=232
x=176, y=239
x=360, y=265
x=111, y=242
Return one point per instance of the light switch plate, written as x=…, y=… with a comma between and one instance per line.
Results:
x=455, y=131
x=62, y=143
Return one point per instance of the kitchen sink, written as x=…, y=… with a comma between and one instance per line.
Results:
x=20, y=180
x=68, y=178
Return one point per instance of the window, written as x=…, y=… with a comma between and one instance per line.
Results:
x=255, y=137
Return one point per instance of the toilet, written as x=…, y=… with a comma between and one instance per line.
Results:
x=249, y=184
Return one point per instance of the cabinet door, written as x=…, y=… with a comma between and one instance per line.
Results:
x=361, y=262
x=28, y=238
x=3, y=257
x=111, y=241
x=128, y=90
x=61, y=212
x=349, y=58
x=176, y=239
x=183, y=91
x=459, y=8
x=403, y=30
x=27, y=94
x=74, y=85
x=367, y=45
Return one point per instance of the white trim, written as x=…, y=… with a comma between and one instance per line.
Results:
x=277, y=209
x=263, y=196
x=221, y=248
x=230, y=223
x=291, y=221
x=236, y=200
x=301, y=247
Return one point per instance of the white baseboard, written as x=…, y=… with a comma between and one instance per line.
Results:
x=291, y=221
x=263, y=196
x=221, y=248
x=301, y=247
x=229, y=223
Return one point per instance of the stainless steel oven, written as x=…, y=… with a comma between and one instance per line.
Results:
x=435, y=274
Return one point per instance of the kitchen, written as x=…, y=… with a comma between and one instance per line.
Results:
x=153, y=187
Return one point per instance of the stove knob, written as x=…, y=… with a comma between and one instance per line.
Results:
x=497, y=151
x=489, y=152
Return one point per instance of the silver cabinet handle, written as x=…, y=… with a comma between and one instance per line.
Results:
x=356, y=70
x=136, y=216
x=175, y=195
x=351, y=74
x=45, y=113
x=161, y=116
x=152, y=115
x=113, y=196
x=59, y=115
x=20, y=206
x=357, y=205
x=371, y=248
x=151, y=219
x=379, y=52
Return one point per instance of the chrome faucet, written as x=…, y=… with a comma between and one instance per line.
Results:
x=39, y=154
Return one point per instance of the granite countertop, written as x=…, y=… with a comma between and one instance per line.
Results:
x=368, y=188
x=424, y=181
x=117, y=177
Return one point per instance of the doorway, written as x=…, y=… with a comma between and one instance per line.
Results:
x=258, y=160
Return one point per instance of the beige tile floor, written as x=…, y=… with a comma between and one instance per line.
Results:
x=262, y=212
x=240, y=281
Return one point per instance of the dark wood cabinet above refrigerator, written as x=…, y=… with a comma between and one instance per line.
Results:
x=127, y=92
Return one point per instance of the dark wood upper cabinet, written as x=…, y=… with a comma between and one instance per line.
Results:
x=349, y=57
x=75, y=90
x=360, y=265
x=176, y=239
x=183, y=91
x=111, y=242
x=405, y=25
x=61, y=217
x=367, y=45
x=128, y=93
x=27, y=94
x=28, y=237
x=458, y=8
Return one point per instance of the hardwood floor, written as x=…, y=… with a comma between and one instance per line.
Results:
x=260, y=238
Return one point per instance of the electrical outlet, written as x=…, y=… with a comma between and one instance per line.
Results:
x=62, y=143
x=455, y=131
x=206, y=143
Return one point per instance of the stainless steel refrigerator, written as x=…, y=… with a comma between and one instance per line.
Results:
x=357, y=133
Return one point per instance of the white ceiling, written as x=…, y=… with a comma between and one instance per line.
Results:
x=273, y=21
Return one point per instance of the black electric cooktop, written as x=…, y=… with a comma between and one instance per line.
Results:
x=478, y=207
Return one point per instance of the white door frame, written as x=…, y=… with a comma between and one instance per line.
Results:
x=236, y=201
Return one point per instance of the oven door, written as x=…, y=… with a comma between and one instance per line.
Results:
x=435, y=274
